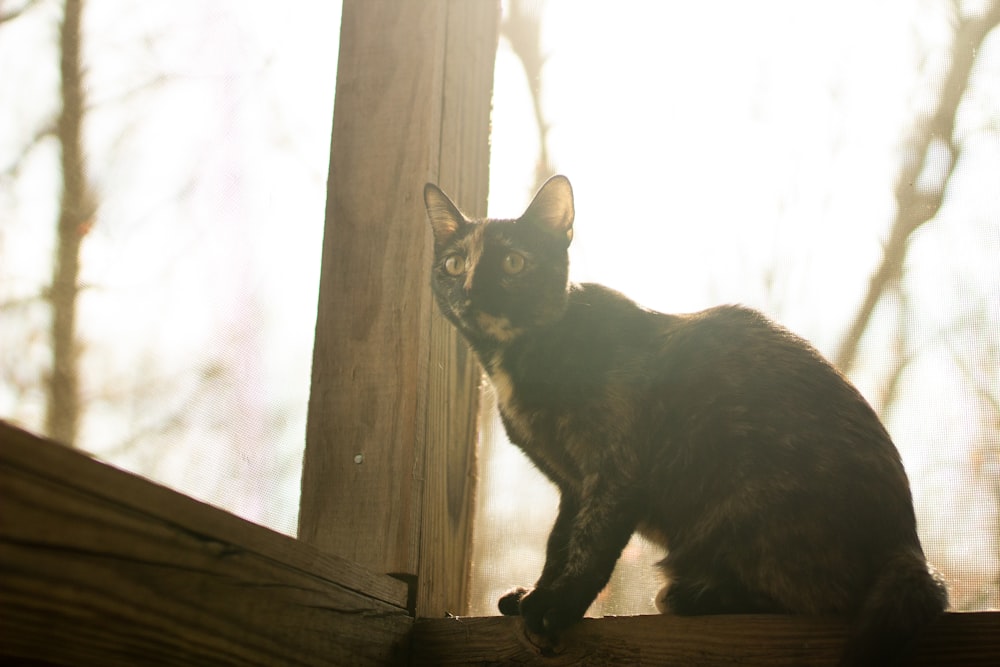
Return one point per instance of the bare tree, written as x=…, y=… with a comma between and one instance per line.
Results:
x=201, y=417
x=917, y=201
x=522, y=26
x=76, y=213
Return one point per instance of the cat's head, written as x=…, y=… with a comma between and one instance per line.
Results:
x=497, y=279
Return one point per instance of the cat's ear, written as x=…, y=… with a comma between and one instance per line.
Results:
x=445, y=217
x=552, y=208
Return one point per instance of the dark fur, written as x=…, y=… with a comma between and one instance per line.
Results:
x=719, y=435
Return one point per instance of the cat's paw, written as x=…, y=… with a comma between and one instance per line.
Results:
x=548, y=612
x=510, y=602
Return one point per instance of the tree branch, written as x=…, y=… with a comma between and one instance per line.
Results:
x=916, y=201
x=14, y=13
x=522, y=26
x=901, y=356
x=11, y=171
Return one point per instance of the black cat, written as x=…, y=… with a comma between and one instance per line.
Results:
x=719, y=435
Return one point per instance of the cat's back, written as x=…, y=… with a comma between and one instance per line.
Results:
x=732, y=385
x=739, y=352
x=725, y=357
x=739, y=396
x=736, y=331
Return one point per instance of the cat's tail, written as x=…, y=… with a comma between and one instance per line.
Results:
x=907, y=595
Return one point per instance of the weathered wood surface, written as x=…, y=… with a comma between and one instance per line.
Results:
x=100, y=567
x=956, y=639
x=388, y=472
x=452, y=404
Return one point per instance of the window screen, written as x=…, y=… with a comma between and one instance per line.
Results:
x=198, y=189
x=749, y=153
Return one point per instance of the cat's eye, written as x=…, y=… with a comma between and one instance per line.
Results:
x=454, y=265
x=513, y=263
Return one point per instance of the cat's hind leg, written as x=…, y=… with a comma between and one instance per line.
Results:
x=694, y=597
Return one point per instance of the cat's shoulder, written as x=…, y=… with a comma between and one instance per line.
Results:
x=596, y=295
x=729, y=323
x=592, y=303
x=737, y=327
x=732, y=315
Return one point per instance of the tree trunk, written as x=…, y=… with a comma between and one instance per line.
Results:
x=522, y=26
x=75, y=215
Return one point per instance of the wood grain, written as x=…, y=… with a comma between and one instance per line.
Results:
x=388, y=468
x=100, y=567
x=956, y=639
x=361, y=483
x=454, y=376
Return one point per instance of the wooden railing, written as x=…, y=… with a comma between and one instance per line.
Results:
x=101, y=567
x=766, y=641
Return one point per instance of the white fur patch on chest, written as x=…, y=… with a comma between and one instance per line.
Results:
x=503, y=384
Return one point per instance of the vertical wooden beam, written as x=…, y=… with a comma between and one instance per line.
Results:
x=454, y=375
x=388, y=472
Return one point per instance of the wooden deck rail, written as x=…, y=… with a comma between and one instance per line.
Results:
x=767, y=641
x=101, y=567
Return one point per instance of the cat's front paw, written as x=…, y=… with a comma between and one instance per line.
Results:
x=548, y=612
x=510, y=602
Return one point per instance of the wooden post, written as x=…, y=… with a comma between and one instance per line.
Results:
x=389, y=467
